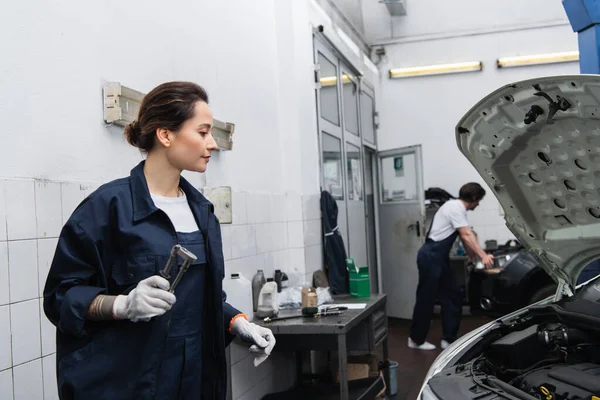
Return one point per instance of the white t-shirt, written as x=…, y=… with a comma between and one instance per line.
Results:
x=179, y=212
x=451, y=216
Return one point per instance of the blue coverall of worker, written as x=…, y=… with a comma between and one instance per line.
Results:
x=114, y=239
x=436, y=277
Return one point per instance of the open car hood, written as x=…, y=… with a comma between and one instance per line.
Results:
x=536, y=143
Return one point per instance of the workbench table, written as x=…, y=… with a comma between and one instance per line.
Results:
x=355, y=332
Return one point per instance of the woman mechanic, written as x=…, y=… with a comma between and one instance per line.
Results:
x=120, y=333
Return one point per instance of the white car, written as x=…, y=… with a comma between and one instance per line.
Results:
x=536, y=143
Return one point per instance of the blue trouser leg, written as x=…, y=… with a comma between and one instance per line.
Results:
x=451, y=300
x=427, y=289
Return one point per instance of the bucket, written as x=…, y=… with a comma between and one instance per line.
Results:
x=393, y=374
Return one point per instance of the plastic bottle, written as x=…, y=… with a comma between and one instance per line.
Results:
x=268, y=302
x=278, y=276
x=284, y=281
x=257, y=283
x=239, y=293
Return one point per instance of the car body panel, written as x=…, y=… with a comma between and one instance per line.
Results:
x=536, y=143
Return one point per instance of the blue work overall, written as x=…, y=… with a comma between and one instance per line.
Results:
x=113, y=240
x=436, y=280
x=180, y=373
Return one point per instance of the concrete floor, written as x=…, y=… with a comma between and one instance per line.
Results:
x=414, y=364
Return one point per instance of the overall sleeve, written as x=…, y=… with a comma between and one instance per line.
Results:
x=75, y=278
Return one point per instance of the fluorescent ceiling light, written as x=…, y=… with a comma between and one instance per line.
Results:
x=436, y=69
x=332, y=80
x=122, y=104
x=537, y=59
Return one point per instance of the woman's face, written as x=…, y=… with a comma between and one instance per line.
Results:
x=190, y=148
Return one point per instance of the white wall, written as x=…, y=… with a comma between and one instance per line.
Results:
x=431, y=18
x=425, y=110
x=256, y=61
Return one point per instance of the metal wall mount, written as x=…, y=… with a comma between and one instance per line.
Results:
x=122, y=104
x=395, y=7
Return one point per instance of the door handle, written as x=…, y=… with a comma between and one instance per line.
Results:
x=417, y=227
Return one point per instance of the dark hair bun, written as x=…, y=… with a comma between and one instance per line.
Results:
x=167, y=106
x=133, y=133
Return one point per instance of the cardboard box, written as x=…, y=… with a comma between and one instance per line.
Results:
x=359, y=367
x=355, y=371
x=309, y=297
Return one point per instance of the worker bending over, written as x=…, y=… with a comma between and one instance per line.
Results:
x=436, y=277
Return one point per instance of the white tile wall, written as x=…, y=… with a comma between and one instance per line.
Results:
x=4, y=281
x=271, y=237
x=245, y=375
x=71, y=196
x=293, y=206
x=311, y=207
x=238, y=265
x=239, y=351
x=5, y=345
x=255, y=263
x=314, y=258
x=48, y=332
x=20, y=210
x=49, y=377
x=48, y=209
x=3, y=235
x=6, y=384
x=297, y=260
x=23, y=271
x=295, y=234
x=226, y=239
x=277, y=208
x=243, y=241
x=312, y=232
x=281, y=377
x=28, y=381
x=258, y=208
x=238, y=204
x=276, y=260
x=46, y=249
x=25, y=326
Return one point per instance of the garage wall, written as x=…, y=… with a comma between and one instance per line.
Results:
x=425, y=110
x=256, y=61
x=439, y=18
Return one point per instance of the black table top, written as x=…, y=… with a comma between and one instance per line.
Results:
x=334, y=324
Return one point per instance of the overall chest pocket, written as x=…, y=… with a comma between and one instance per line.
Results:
x=128, y=272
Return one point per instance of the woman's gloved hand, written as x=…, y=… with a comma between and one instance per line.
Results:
x=150, y=298
x=262, y=338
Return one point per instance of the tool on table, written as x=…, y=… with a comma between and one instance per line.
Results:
x=307, y=312
x=334, y=308
x=188, y=259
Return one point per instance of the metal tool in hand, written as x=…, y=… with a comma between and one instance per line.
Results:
x=188, y=259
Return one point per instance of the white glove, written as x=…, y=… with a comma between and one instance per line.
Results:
x=150, y=298
x=263, y=338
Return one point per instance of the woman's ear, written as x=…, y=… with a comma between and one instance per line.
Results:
x=164, y=137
